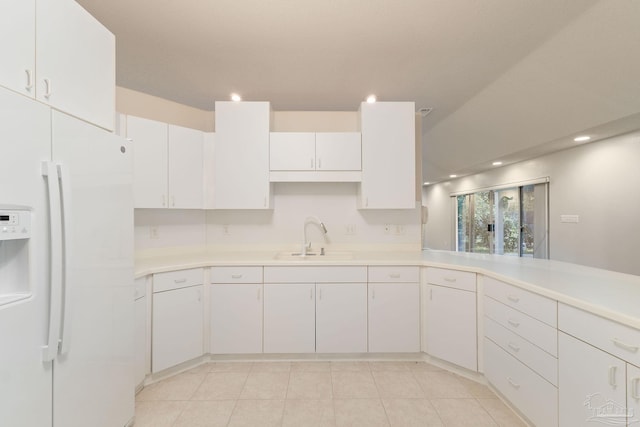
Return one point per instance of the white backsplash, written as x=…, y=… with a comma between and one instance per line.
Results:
x=282, y=227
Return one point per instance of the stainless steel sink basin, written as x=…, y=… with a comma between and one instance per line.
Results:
x=315, y=256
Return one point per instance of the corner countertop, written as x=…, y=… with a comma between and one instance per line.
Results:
x=612, y=295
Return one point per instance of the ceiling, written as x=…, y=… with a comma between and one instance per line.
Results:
x=330, y=54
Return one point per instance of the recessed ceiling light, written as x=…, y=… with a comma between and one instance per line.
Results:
x=582, y=138
x=496, y=163
x=371, y=99
x=426, y=183
x=453, y=176
x=235, y=97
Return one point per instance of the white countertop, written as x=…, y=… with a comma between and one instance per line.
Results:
x=615, y=296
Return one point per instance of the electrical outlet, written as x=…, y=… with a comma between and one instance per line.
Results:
x=387, y=229
x=225, y=229
x=153, y=232
x=399, y=230
x=350, y=230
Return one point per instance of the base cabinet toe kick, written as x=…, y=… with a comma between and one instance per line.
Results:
x=555, y=364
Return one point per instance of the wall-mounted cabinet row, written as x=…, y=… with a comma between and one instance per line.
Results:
x=56, y=52
x=235, y=168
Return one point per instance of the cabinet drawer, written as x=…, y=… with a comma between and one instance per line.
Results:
x=315, y=274
x=236, y=274
x=536, y=306
x=536, y=398
x=541, y=362
x=177, y=279
x=451, y=278
x=389, y=274
x=617, y=339
x=533, y=330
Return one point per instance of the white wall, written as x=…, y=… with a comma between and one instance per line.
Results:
x=597, y=181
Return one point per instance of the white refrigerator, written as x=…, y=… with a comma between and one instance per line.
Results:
x=66, y=270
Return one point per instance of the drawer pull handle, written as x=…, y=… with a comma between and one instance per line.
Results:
x=450, y=279
x=180, y=280
x=236, y=276
x=513, y=298
x=634, y=388
x=513, y=383
x=625, y=346
x=612, y=376
x=513, y=347
x=394, y=275
x=513, y=323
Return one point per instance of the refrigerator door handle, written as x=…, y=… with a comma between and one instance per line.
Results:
x=67, y=309
x=50, y=350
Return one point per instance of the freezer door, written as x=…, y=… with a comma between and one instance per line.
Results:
x=25, y=381
x=93, y=375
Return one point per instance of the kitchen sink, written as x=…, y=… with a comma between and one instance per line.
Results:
x=315, y=256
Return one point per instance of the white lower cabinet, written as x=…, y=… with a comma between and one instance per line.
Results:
x=341, y=318
x=289, y=318
x=177, y=326
x=450, y=320
x=236, y=318
x=140, y=331
x=633, y=393
x=394, y=317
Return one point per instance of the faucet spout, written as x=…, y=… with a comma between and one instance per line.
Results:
x=310, y=219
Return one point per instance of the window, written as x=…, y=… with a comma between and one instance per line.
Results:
x=505, y=221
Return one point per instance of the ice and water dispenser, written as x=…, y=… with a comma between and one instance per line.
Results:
x=15, y=234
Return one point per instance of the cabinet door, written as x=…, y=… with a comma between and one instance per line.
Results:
x=292, y=151
x=388, y=156
x=76, y=62
x=150, y=162
x=140, y=329
x=338, y=151
x=590, y=382
x=236, y=318
x=241, y=173
x=186, y=178
x=450, y=320
x=341, y=318
x=289, y=318
x=394, y=317
x=633, y=393
x=18, y=45
x=177, y=327
x=209, y=141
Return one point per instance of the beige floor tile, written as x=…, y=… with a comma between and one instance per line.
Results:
x=310, y=385
x=221, y=386
x=397, y=384
x=253, y=413
x=308, y=413
x=390, y=366
x=353, y=385
x=441, y=385
x=348, y=366
x=230, y=366
x=501, y=413
x=266, y=385
x=158, y=414
x=212, y=413
x=476, y=389
x=411, y=412
x=462, y=413
x=311, y=367
x=271, y=367
x=179, y=387
x=360, y=413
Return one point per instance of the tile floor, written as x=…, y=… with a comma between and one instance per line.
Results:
x=299, y=394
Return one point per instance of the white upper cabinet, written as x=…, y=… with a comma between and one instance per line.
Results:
x=17, y=45
x=208, y=163
x=388, y=156
x=75, y=62
x=168, y=165
x=313, y=157
x=185, y=168
x=241, y=163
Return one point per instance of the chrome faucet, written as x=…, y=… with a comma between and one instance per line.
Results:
x=309, y=219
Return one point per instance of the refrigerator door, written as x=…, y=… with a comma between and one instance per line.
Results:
x=25, y=380
x=93, y=375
